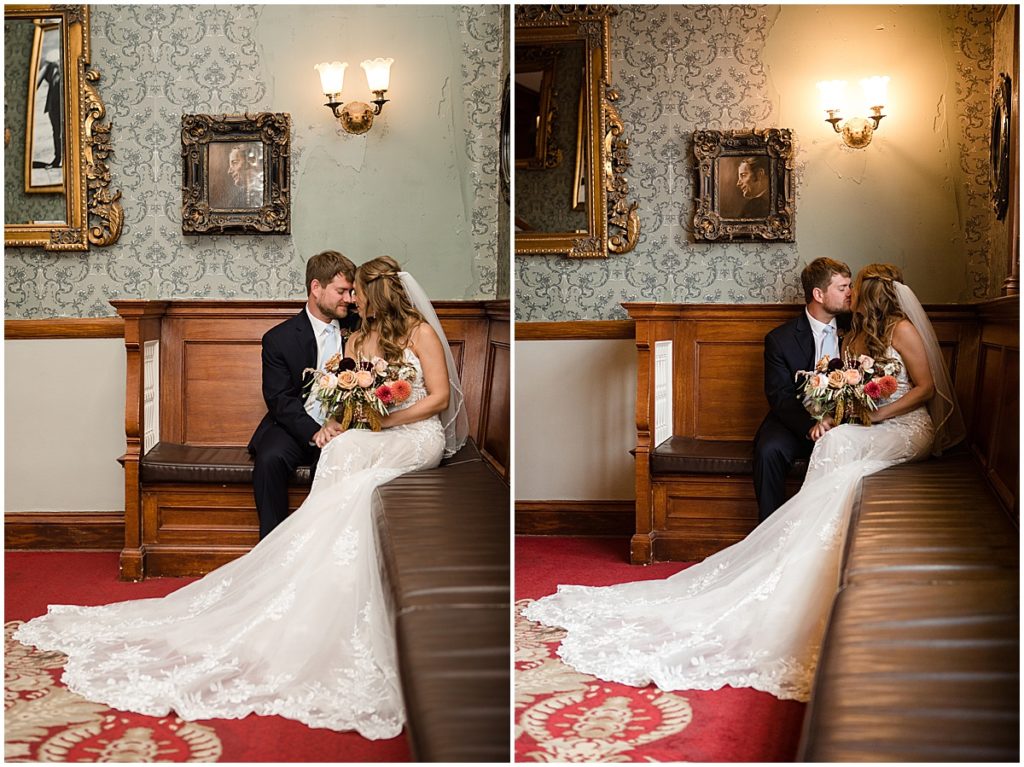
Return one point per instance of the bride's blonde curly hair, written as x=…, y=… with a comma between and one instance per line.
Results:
x=876, y=309
x=388, y=309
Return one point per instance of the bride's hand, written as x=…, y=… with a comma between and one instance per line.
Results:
x=328, y=431
x=818, y=430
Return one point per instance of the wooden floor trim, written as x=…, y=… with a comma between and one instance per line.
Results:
x=63, y=531
x=575, y=518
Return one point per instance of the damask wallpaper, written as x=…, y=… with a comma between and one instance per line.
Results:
x=917, y=196
x=421, y=185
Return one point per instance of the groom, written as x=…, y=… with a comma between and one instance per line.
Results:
x=293, y=428
x=788, y=432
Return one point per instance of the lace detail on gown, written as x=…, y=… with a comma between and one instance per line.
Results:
x=751, y=615
x=298, y=627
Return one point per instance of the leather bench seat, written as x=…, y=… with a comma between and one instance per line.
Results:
x=176, y=463
x=920, y=659
x=685, y=455
x=454, y=670
x=918, y=672
x=929, y=521
x=443, y=536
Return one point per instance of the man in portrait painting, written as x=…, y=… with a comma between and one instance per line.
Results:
x=752, y=181
x=236, y=175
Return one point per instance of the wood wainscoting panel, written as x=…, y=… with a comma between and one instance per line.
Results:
x=222, y=392
x=58, y=531
x=495, y=417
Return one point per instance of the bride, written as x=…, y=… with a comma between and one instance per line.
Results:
x=753, y=615
x=299, y=626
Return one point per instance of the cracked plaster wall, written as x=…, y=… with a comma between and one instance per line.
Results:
x=420, y=186
x=917, y=196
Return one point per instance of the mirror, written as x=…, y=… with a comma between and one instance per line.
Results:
x=56, y=180
x=570, y=192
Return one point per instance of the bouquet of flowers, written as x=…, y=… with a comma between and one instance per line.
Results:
x=356, y=393
x=848, y=389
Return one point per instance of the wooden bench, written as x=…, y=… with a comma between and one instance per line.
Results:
x=451, y=613
x=920, y=659
x=700, y=398
x=193, y=399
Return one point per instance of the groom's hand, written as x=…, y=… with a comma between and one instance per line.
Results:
x=328, y=431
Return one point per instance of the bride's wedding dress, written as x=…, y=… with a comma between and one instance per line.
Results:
x=752, y=615
x=298, y=627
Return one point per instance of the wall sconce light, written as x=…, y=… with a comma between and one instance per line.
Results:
x=355, y=116
x=856, y=131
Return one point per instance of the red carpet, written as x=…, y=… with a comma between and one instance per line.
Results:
x=44, y=722
x=565, y=716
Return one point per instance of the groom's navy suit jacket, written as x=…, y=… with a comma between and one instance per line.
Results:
x=787, y=349
x=288, y=349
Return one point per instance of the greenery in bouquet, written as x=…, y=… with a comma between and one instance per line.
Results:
x=358, y=393
x=848, y=389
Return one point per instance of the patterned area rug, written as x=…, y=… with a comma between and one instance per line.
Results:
x=47, y=723
x=44, y=722
x=565, y=716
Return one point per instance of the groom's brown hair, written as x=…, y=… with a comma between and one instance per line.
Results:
x=324, y=266
x=818, y=274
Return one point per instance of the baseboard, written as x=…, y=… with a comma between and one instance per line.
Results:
x=575, y=518
x=55, y=531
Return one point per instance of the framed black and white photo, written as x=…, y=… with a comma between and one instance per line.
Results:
x=744, y=190
x=44, y=134
x=235, y=174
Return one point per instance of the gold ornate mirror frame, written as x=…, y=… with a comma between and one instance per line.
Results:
x=613, y=224
x=93, y=213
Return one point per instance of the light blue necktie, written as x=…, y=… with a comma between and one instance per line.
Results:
x=829, y=342
x=328, y=346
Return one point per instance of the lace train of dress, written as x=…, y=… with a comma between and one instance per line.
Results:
x=751, y=615
x=298, y=627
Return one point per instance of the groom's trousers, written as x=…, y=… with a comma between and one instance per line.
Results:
x=273, y=465
x=776, y=448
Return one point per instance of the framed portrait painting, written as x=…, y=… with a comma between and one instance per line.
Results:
x=44, y=131
x=744, y=189
x=235, y=174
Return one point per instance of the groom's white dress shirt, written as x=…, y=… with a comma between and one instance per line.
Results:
x=825, y=341
x=328, y=342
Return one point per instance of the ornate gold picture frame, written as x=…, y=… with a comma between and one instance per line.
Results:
x=235, y=174
x=90, y=212
x=744, y=189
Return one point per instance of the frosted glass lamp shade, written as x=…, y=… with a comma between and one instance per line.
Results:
x=378, y=73
x=833, y=95
x=875, y=90
x=332, y=76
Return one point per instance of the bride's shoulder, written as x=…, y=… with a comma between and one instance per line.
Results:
x=422, y=333
x=905, y=337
